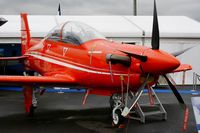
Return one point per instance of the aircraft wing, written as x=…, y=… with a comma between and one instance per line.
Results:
x=182, y=67
x=38, y=80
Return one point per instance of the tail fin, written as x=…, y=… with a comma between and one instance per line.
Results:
x=25, y=33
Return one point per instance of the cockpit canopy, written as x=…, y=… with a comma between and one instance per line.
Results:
x=74, y=32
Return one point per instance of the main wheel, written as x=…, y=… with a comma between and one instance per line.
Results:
x=31, y=111
x=117, y=118
x=30, y=101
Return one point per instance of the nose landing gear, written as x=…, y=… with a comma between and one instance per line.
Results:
x=117, y=107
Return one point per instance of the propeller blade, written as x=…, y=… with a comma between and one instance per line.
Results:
x=174, y=90
x=155, y=40
x=137, y=56
x=180, y=99
x=177, y=53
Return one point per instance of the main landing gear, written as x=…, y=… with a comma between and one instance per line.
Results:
x=30, y=101
x=116, y=104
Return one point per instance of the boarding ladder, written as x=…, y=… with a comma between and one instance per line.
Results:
x=144, y=108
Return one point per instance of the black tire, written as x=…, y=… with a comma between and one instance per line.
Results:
x=119, y=119
x=111, y=101
x=31, y=113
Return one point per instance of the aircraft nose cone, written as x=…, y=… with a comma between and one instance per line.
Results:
x=159, y=62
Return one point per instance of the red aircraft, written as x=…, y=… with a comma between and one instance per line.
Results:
x=75, y=55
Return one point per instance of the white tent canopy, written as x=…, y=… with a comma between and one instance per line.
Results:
x=110, y=26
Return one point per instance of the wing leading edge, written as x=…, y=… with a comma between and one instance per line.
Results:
x=182, y=67
x=38, y=80
x=13, y=58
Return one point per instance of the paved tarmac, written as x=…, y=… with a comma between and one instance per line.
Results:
x=64, y=113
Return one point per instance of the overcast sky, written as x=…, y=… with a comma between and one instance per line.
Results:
x=190, y=8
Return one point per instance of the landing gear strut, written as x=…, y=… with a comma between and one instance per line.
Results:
x=117, y=106
x=30, y=101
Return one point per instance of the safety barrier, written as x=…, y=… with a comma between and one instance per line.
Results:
x=196, y=78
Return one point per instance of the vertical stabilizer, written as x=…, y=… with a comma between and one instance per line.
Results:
x=25, y=33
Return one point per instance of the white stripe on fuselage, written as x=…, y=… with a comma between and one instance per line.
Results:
x=47, y=59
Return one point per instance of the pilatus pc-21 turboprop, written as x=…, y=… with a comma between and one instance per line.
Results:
x=75, y=55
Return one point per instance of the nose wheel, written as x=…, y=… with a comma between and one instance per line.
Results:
x=117, y=118
x=116, y=107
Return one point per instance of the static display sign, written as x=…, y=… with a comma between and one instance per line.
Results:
x=196, y=108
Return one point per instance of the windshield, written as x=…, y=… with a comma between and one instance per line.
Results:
x=74, y=32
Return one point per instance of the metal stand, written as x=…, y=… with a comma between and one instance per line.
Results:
x=139, y=113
